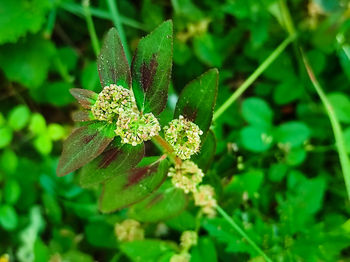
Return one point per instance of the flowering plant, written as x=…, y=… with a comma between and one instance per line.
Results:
x=109, y=144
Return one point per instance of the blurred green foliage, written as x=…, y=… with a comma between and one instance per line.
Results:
x=276, y=169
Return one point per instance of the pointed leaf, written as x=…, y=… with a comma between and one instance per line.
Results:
x=151, y=69
x=207, y=152
x=133, y=186
x=115, y=160
x=82, y=116
x=197, y=100
x=83, y=145
x=166, y=202
x=113, y=67
x=85, y=97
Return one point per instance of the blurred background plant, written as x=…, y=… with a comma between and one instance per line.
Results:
x=276, y=167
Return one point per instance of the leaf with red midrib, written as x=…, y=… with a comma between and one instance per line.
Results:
x=113, y=68
x=151, y=69
x=115, y=160
x=132, y=186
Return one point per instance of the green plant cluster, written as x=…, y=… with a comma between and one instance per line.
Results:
x=271, y=152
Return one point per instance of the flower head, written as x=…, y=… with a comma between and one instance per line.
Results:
x=134, y=128
x=183, y=257
x=111, y=102
x=204, y=198
x=129, y=230
x=187, y=176
x=184, y=137
x=188, y=239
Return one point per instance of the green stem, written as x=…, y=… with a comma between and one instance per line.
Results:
x=268, y=61
x=117, y=22
x=337, y=130
x=242, y=233
x=165, y=147
x=91, y=27
x=102, y=14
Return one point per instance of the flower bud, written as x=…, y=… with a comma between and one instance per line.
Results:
x=188, y=239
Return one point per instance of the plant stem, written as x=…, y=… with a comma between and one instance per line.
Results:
x=242, y=233
x=337, y=130
x=99, y=13
x=164, y=145
x=268, y=61
x=91, y=27
x=116, y=20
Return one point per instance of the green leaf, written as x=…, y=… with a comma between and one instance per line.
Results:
x=151, y=69
x=221, y=230
x=8, y=217
x=98, y=234
x=292, y=133
x=43, y=144
x=257, y=112
x=250, y=181
x=112, y=65
x=37, y=124
x=204, y=251
x=57, y=93
x=11, y=191
x=206, y=155
x=114, y=161
x=9, y=161
x=256, y=139
x=86, y=98
x=84, y=145
x=341, y=105
x=164, y=203
x=197, y=100
x=148, y=250
x=288, y=91
x=5, y=136
x=19, y=117
x=89, y=77
x=56, y=131
x=27, y=62
x=132, y=187
x=20, y=17
x=277, y=172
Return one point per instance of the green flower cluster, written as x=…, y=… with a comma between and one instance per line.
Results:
x=116, y=103
x=187, y=176
x=111, y=102
x=134, y=128
x=184, y=137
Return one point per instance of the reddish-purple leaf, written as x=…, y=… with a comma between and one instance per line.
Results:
x=85, y=97
x=151, y=69
x=83, y=145
x=112, y=65
x=82, y=116
x=115, y=160
x=132, y=186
